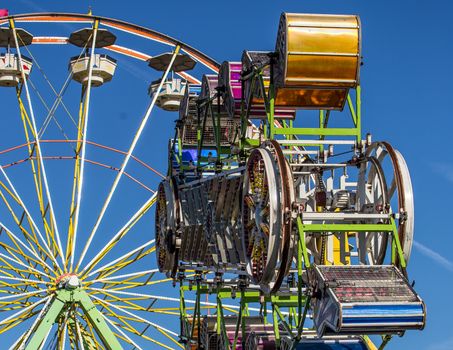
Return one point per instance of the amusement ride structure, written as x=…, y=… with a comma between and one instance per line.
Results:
x=278, y=224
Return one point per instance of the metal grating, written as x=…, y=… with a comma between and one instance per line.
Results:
x=367, y=284
x=228, y=130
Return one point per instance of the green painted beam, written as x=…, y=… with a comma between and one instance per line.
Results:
x=50, y=317
x=317, y=131
x=251, y=142
x=347, y=227
x=65, y=298
x=97, y=320
x=252, y=296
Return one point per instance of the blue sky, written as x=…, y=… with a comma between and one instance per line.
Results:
x=407, y=88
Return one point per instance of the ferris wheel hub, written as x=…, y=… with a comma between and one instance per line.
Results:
x=68, y=281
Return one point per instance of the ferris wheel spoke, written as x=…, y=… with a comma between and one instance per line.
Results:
x=80, y=343
x=17, y=304
x=136, y=318
x=124, y=335
x=132, y=276
x=26, y=336
x=128, y=327
x=128, y=284
x=79, y=167
x=117, y=262
x=24, y=265
x=31, y=239
x=130, y=305
x=13, y=270
x=19, y=200
x=163, y=311
x=15, y=346
x=127, y=158
x=18, y=250
x=17, y=241
x=171, y=299
x=12, y=252
x=14, y=305
x=37, y=140
x=59, y=95
x=49, y=110
x=18, y=321
x=121, y=233
x=26, y=294
x=36, y=170
x=25, y=280
x=22, y=315
x=125, y=263
x=88, y=333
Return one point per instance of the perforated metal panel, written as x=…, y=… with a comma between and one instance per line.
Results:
x=367, y=284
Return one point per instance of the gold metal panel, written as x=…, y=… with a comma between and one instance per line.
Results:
x=318, y=59
x=312, y=98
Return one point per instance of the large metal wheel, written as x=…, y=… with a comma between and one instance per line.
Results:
x=400, y=198
x=266, y=215
x=166, y=227
x=372, y=198
x=261, y=219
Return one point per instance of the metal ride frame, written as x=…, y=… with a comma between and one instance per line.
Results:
x=70, y=291
x=297, y=304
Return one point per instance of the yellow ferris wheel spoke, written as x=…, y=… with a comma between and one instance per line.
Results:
x=113, y=264
x=13, y=251
x=20, y=315
x=89, y=334
x=127, y=158
x=125, y=262
x=36, y=168
x=120, y=234
x=125, y=325
x=18, y=221
x=126, y=278
x=47, y=249
x=73, y=212
x=136, y=317
x=37, y=141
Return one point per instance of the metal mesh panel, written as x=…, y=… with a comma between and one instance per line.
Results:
x=228, y=129
x=367, y=284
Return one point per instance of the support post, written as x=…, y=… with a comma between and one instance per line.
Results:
x=51, y=316
x=66, y=298
x=97, y=320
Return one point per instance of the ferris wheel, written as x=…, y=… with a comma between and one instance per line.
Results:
x=70, y=276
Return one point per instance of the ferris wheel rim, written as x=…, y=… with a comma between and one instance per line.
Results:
x=273, y=238
x=52, y=17
x=405, y=194
x=371, y=171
